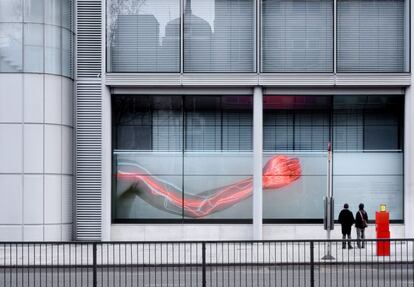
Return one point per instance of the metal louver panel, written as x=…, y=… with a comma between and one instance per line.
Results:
x=88, y=121
x=89, y=39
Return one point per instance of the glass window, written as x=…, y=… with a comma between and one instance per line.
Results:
x=297, y=36
x=67, y=52
x=33, y=48
x=33, y=11
x=219, y=36
x=295, y=139
x=11, y=11
x=67, y=14
x=53, y=52
x=373, y=36
x=11, y=50
x=53, y=12
x=143, y=36
x=368, y=156
x=157, y=177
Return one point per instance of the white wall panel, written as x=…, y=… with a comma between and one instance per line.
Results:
x=11, y=98
x=33, y=232
x=53, y=149
x=33, y=148
x=33, y=199
x=11, y=199
x=53, y=199
x=11, y=233
x=67, y=154
x=53, y=233
x=67, y=101
x=67, y=197
x=11, y=141
x=33, y=98
x=53, y=99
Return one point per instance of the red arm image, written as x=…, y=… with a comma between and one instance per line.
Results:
x=278, y=172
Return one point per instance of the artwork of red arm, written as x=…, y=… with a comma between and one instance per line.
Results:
x=278, y=172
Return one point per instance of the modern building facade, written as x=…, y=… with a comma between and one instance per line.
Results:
x=202, y=119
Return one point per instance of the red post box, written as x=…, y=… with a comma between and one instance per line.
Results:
x=382, y=223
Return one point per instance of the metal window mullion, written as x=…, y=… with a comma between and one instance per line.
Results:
x=182, y=36
x=334, y=35
x=258, y=36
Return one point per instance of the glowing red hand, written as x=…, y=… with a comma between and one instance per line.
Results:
x=280, y=171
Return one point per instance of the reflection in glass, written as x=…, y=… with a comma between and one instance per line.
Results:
x=53, y=13
x=219, y=36
x=296, y=128
x=11, y=47
x=33, y=48
x=53, y=56
x=67, y=14
x=143, y=35
x=297, y=36
x=33, y=11
x=66, y=52
x=150, y=158
x=368, y=156
x=11, y=11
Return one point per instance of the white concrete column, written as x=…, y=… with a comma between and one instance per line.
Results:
x=408, y=150
x=257, y=162
x=408, y=163
x=106, y=163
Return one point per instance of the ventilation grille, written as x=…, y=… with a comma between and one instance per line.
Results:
x=89, y=38
x=88, y=121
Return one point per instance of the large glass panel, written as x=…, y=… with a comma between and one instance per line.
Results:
x=11, y=47
x=33, y=11
x=143, y=36
x=53, y=51
x=67, y=14
x=295, y=139
x=147, y=157
x=33, y=48
x=218, y=157
x=297, y=36
x=53, y=12
x=11, y=11
x=66, y=52
x=368, y=156
x=372, y=36
x=219, y=36
x=156, y=177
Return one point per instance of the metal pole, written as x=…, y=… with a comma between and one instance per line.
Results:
x=204, y=279
x=328, y=205
x=312, y=265
x=95, y=282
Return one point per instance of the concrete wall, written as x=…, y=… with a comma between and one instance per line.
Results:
x=36, y=134
x=169, y=232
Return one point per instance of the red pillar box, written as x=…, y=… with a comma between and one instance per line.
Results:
x=382, y=222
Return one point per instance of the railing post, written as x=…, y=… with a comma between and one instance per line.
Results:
x=312, y=265
x=94, y=283
x=203, y=276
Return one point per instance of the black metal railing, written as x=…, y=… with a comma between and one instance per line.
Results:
x=211, y=263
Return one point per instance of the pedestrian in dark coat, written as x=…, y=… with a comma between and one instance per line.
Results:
x=346, y=219
x=361, y=222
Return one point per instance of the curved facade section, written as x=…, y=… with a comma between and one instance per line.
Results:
x=36, y=37
x=36, y=120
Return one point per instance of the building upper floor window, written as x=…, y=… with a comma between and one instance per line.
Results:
x=223, y=36
x=373, y=36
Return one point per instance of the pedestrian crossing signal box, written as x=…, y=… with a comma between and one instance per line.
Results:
x=382, y=228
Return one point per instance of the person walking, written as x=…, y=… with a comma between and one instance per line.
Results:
x=361, y=222
x=346, y=219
